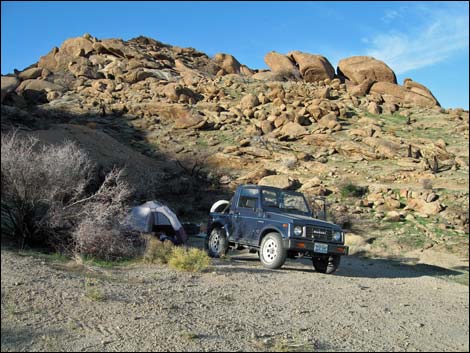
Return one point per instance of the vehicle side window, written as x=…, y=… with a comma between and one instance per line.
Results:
x=248, y=198
x=270, y=199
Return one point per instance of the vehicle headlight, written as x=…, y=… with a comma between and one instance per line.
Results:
x=337, y=236
x=298, y=231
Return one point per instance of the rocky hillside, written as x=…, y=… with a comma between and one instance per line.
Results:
x=392, y=162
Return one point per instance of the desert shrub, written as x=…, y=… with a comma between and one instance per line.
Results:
x=191, y=260
x=157, y=251
x=99, y=242
x=349, y=189
x=51, y=197
x=426, y=184
x=37, y=182
x=100, y=231
x=344, y=220
x=92, y=290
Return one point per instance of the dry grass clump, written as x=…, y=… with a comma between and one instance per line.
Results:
x=157, y=251
x=190, y=260
x=178, y=258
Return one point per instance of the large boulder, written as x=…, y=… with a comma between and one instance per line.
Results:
x=423, y=207
x=39, y=85
x=361, y=89
x=281, y=65
x=329, y=121
x=418, y=88
x=60, y=58
x=249, y=101
x=401, y=94
x=39, y=91
x=117, y=48
x=293, y=131
x=48, y=61
x=30, y=74
x=74, y=47
x=360, y=68
x=279, y=181
x=246, y=71
x=9, y=84
x=388, y=88
x=355, y=150
x=82, y=67
x=385, y=148
x=228, y=63
x=312, y=67
x=188, y=120
x=264, y=76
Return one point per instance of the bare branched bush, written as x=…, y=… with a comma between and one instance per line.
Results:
x=51, y=197
x=37, y=181
x=99, y=232
x=100, y=242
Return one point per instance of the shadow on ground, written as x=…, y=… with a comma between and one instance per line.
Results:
x=351, y=266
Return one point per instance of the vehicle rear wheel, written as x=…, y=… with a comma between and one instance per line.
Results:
x=328, y=264
x=272, y=253
x=217, y=243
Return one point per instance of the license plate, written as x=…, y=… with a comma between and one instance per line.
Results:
x=320, y=248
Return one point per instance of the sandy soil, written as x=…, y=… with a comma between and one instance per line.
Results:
x=368, y=305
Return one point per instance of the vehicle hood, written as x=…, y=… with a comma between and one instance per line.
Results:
x=301, y=220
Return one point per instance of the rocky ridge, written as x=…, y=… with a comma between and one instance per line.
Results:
x=300, y=125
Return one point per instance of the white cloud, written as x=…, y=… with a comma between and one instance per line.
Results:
x=390, y=15
x=442, y=34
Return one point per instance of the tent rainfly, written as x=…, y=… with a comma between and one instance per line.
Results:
x=153, y=216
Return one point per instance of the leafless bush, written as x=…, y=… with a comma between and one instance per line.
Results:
x=50, y=197
x=100, y=242
x=100, y=230
x=37, y=181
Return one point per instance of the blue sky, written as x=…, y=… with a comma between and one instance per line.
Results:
x=427, y=41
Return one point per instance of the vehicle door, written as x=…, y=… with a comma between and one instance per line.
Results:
x=245, y=220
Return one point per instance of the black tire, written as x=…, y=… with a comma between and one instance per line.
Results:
x=216, y=242
x=272, y=253
x=328, y=264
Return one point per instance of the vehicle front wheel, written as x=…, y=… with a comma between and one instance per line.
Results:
x=272, y=253
x=328, y=264
x=217, y=242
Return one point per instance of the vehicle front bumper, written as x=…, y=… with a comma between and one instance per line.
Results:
x=307, y=246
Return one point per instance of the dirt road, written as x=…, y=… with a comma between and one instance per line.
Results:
x=368, y=305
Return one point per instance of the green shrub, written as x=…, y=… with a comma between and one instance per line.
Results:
x=157, y=251
x=352, y=190
x=92, y=291
x=191, y=260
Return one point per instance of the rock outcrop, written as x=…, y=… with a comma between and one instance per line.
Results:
x=313, y=68
x=357, y=69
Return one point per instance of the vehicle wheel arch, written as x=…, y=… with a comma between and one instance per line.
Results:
x=266, y=231
x=215, y=224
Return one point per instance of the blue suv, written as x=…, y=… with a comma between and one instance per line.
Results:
x=277, y=224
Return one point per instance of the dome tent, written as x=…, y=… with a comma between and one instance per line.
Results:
x=153, y=216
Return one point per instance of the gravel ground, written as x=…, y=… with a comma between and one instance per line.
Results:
x=368, y=305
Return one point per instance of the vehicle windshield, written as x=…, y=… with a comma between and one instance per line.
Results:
x=285, y=200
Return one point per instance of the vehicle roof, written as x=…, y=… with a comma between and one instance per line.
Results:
x=265, y=187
